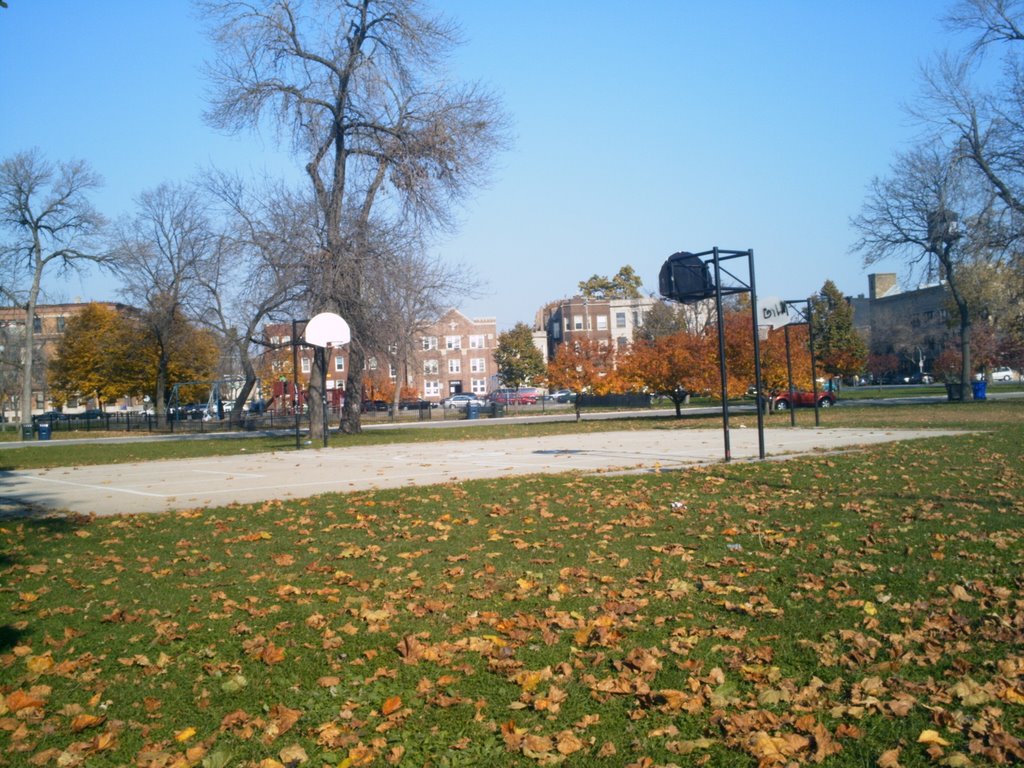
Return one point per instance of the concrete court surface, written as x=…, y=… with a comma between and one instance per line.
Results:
x=161, y=486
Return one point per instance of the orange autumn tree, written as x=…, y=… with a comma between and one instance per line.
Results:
x=672, y=366
x=583, y=366
x=739, y=352
x=774, y=373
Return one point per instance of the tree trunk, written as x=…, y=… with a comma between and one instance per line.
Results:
x=26, y=370
x=315, y=398
x=351, y=416
x=965, y=328
x=160, y=406
x=247, y=387
x=966, y=390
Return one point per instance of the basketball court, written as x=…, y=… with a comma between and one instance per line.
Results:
x=161, y=486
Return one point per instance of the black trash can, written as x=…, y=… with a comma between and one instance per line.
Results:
x=26, y=431
x=44, y=430
x=978, y=389
x=953, y=392
x=497, y=409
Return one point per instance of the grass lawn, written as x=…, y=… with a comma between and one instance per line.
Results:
x=862, y=609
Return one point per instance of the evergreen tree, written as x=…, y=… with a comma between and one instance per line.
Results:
x=838, y=348
x=518, y=359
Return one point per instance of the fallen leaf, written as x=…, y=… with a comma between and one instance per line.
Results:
x=391, y=705
x=81, y=722
x=932, y=737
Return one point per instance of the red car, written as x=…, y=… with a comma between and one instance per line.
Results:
x=798, y=398
x=521, y=396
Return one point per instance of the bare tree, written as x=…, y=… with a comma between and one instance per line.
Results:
x=983, y=118
x=47, y=212
x=162, y=253
x=255, y=275
x=666, y=319
x=358, y=85
x=933, y=211
x=418, y=288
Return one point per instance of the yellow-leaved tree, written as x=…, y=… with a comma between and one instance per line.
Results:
x=107, y=353
x=84, y=362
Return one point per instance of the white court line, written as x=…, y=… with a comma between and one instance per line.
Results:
x=94, y=487
x=225, y=474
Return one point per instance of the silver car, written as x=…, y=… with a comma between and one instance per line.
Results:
x=462, y=401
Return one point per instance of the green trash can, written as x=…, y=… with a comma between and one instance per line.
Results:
x=26, y=431
x=44, y=430
x=497, y=409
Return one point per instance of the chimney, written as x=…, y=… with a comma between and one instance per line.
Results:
x=881, y=284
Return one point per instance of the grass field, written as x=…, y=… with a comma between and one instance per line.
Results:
x=864, y=609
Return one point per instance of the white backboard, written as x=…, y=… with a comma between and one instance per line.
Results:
x=327, y=330
x=772, y=311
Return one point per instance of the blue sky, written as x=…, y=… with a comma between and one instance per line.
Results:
x=639, y=129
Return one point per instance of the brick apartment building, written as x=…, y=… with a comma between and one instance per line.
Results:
x=606, y=321
x=50, y=322
x=454, y=354
x=913, y=325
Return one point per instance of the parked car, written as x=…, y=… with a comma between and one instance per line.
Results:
x=920, y=378
x=521, y=396
x=561, y=396
x=370, y=406
x=415, y=405
x=462, y=401
x=800, y=398
x=50, y=416
x=90, y=413
x=1004, y=373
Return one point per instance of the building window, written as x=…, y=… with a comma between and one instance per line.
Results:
x=636, y=318
x=477, y=342
x=477, y=365
x=479, y=386
x=275, y=340
x=393, y=371
x=60, y=324
x=37, y=324
x=430, y=367
x=620, y=319
x=431, y=388
x=602, y=322
x=453, y=342
x=578, y=322
x=429, y=342
x=307, y=365
x=286, y=339
x=455, y=365
x=339, y=363
x=623, y=342
x=372, y=364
